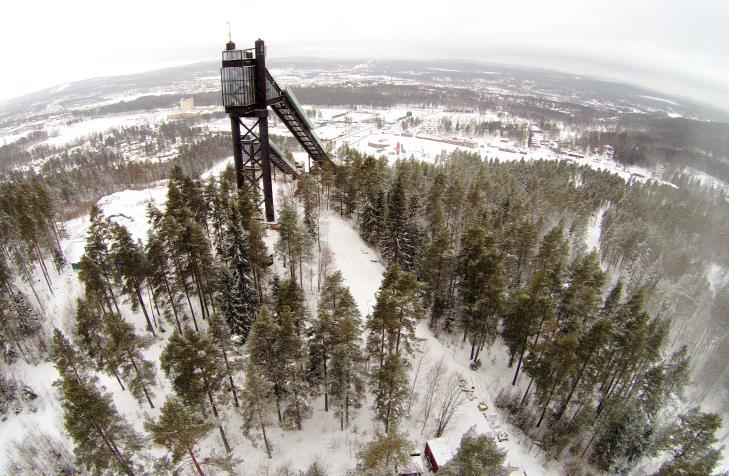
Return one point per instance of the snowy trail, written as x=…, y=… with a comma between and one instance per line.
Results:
x=594, y=229
x=359, y=264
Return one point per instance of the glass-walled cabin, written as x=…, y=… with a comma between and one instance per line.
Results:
x=237, y=81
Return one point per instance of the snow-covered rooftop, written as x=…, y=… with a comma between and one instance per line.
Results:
x=443, y=449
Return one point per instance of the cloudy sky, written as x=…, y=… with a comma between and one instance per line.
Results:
x=677, y=47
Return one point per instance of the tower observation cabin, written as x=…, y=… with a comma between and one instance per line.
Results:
x=248, y=90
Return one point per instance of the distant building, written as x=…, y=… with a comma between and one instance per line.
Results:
x=187, y=104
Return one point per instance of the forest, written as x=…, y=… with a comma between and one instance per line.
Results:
x=615, y=358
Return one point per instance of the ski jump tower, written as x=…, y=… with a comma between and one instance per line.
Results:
x=248, y=90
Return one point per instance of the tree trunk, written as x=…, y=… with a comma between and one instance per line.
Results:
x=277, y=393
x=326, y=395
x=572, y=391
x=518, y=365
x=183, y=278
x=113, y=369
x=546, y=405
x=141, y=380
x=263, y=430
x=230, y=376
x=112, y=446
x=215, y=414
x=194, y=462
x=526, y=394
x=172, y=302
x=144, y=309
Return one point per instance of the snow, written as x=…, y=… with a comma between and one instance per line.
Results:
x=487, y=381
x=321, y=439
x=64, y=133
x=663, y=100
x=592, y=237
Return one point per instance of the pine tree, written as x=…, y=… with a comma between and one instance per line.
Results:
x=323, y=332
x=690, y=441
x=288, y=235
x=391, y=327
x=346, y=379
x=581, y=297
x=385, y=453
x=125, y=348
x=179, y=431
x=263, y=348
x=391, y=390
x=88, y=329
x=194, y=247
x=435, y=270
x=292, y=352
x=103, y=439
x=160, y=272
x=256, y=402
x=193, y=363
x=289, y=295
x=482, y=285
x=96, y=270
x=476, y=455
x=130, y=263
x=220, y=333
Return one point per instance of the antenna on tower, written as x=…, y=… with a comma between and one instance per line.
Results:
x=230, y=37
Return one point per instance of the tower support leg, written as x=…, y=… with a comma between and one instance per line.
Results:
x=237, y=150
x=262, y=113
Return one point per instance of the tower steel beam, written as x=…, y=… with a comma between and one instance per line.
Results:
x=262, y=113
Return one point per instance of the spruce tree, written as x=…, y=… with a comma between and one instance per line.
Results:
x=238, y=294
x=394, y=242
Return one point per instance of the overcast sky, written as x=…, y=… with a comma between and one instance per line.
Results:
x=677, y=47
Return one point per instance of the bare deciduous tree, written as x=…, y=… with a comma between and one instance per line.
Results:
x=432, y=386
x=449, y=399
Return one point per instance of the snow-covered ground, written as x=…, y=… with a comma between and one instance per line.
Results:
x=63, y=133
x=321, y=438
